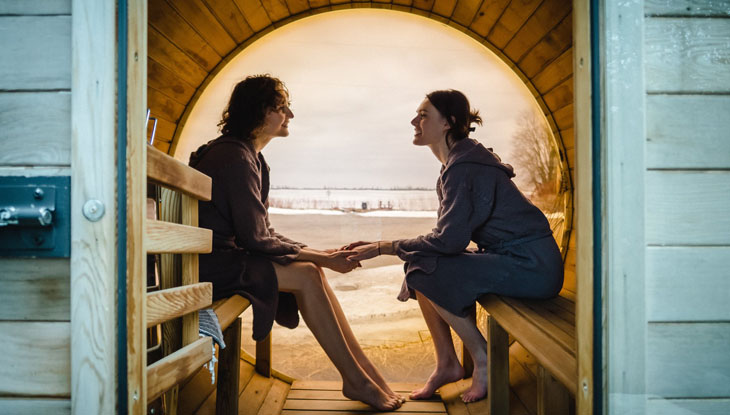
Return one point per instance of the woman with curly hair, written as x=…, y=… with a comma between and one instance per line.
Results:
x=278, y=275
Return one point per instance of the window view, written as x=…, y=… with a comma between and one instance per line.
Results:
x=348, y=171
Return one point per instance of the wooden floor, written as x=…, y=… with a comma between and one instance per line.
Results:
x=279, y=394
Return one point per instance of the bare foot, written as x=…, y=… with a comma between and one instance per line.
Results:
x=439, y=378
x=478, y=389
x=378, y=379
x=371, y=394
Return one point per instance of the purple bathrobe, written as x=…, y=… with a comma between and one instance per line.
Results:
x=478, y=202
x=244, y=243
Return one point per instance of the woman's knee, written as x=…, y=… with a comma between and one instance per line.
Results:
x=311, y=275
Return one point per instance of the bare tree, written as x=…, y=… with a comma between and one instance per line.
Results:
x=535, y=155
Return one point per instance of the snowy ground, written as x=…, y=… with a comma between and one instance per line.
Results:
x=392, y=333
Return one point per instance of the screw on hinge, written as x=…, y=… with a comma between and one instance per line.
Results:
x=38, y=193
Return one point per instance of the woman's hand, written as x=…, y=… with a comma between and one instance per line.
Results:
x=364, y=251
x=338, y=261
x=353, y=245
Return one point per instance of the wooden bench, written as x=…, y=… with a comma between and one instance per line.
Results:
x=546, y=329
x=178, y=197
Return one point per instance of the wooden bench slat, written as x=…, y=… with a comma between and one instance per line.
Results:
x=551, y=307
x=166, y=171
x=171, y=303
x=540, y=307
x=546, y=325
x=166, y=237
x=173, y=369
x=561, y=363
x=228, y=309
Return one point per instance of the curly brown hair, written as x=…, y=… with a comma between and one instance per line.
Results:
x=250, y=101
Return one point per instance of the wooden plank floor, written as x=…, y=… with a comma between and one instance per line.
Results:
x=280, y=395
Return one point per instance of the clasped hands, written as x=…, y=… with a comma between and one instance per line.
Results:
x=348, y=257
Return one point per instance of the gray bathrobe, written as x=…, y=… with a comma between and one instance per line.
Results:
x=244, y=243
x=478, y=202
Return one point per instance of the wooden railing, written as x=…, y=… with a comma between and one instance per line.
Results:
x=184, y=297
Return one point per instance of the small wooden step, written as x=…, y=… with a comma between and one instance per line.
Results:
x=325, y=398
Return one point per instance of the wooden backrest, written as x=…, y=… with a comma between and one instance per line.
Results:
x=177, y=232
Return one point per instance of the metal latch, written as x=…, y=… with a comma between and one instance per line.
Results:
x=34, y=216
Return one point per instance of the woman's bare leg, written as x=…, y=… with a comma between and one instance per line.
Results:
x=467, y=329
x=305, y=281
x=448, y=368
x=354, y=345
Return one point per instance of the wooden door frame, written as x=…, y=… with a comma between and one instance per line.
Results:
x=584, y=205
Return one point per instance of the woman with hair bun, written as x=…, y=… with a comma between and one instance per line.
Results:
x=516, y=256
x=278, y=275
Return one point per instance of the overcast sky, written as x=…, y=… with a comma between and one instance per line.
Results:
x=356, y=78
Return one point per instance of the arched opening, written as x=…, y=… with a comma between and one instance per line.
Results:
x=349, y=172
x=190, y=43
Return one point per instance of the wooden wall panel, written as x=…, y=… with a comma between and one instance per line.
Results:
x=27, y=406
x=688, y=283
x=465, y=11
x=35, y=7
x=423, y=4
x=564, y=117
x=197, y=14
x=35, y=289
x=168, y=83
x=322, y=3
x=696, y=139
x=164, y=106
x=444, y=7
x=687, y=55
x=297, y=6
x=687, y=207
x=35, y=52
x=656, y=406
x=36, y=128
x=561, y=95
x=555, y=72
x=275, y=9
x=255, y=14
x=687, y=8
x=487, y=16
x=550, y=47
x=231, y=18
x=163, y=51
x=545, y=18
x=35, y=358
x=688, y=360
x=168, y=21
x=512, y=19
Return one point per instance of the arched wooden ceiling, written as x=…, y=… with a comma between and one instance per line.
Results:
x=190, y=40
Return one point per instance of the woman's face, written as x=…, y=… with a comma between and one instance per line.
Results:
x=430, y=125
x=276, y=123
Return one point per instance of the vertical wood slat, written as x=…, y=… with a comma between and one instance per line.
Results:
x=229, y=371
x=263, y=356
x=552, y=397
x=136, y=208
x=189, y=269
x=93, y=244
x=497, y=368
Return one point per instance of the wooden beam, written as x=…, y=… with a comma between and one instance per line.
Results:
x=557, y=360
x=93, y=354
x=166, y=237
x=263, y=356
x=190, y=270
x=229, y=370
x=171, y=303
x=137, y=207
x=552, y=398
x=173, y=369
x=227, y=310
x=166, y=171
x=497, y=368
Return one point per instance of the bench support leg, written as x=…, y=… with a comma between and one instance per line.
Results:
x=497, y=368
x=263, y=357
x=229, y=367
x=552, y=397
